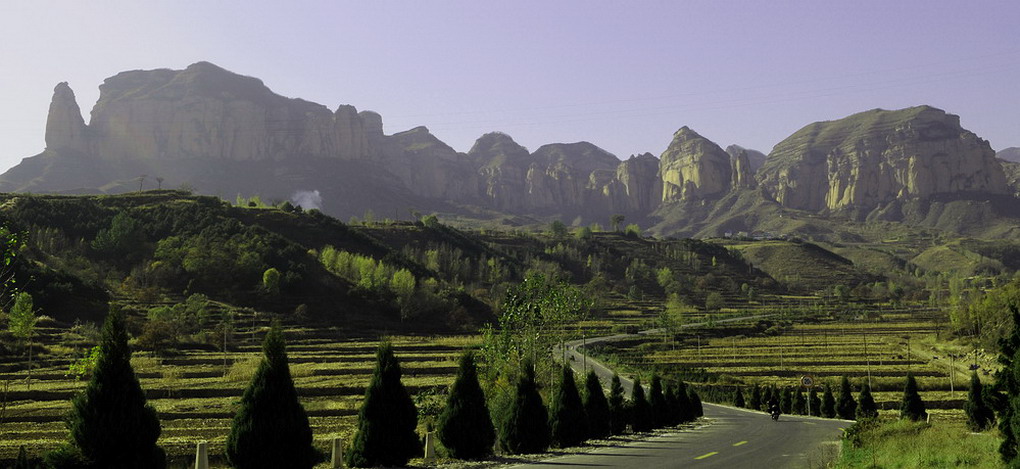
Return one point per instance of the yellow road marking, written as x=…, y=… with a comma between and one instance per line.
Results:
x=703, y=456
x=739, y=443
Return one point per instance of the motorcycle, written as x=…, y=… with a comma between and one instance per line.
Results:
x=775, y=415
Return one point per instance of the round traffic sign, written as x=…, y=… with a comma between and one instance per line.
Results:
x=807, y=381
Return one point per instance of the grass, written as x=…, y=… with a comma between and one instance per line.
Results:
x=902, y=444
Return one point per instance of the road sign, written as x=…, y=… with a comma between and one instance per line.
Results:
x=807, y=381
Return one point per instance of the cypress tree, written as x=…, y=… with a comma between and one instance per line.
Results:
x=799, y=404
x=697, y=409
x=912, y=407
x=738, y=398
x=755, y=402
x=979, y=415
x=786, y=401
x=464, y=426
x=767, y=397
x=866, y=407
x=660, y=411
x=387, y=419
x=672, y=411
x=640, y=409
x=271, y=428
x=1006, y=391
x=111, y=424
x=684, y=406
x=816, y=403
x=617, y=409
x=525, y=428
x=567, y=422
x=846, y=406
x=596, y=407
x=828, y=403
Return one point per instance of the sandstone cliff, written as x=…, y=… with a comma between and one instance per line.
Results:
x=872, y=158
x=755, y=158
x=1011, y=154
x=693, y=168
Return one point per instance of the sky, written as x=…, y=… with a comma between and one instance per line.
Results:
x=622, y=75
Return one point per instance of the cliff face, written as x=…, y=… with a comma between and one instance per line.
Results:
x=872, y=158
x=694, y=168
x=224, y=133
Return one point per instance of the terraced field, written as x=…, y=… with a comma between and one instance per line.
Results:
x=195, y=393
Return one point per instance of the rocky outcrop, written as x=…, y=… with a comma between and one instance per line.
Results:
x=65, y=128
x=693, y=168
x=869, y=159
x=741, y=171
x=634, y=187
x=1011, y=154
x=755, y=158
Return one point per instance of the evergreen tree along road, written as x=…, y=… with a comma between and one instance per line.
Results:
x=732, y=438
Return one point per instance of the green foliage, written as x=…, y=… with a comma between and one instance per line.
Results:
x=616, y=220
x=685, y=406
x=22, y=318
x=640, y=410
x=110, y=423
x=786, y=401
x=557, y=229
x=657, y=402
x=908, y=444
x=122, y=239
x=846, y=406
x=799, y=404
x=387, y=419
x=617, y=409
x=738, y=398
x=815, y=402
x=596, y=408
x=912, y=407
x=979, y=415
x=755, y=401
x=465, y=427
x=866, y=407
x=697, y=410
x=714, y=301
x=524, y=428
x=632, y=231
x=270, y=428
x=828, y=403
x=1007, y=384
x=584, y=233
x=84, y=365
x=271, y=281
x=567, y=421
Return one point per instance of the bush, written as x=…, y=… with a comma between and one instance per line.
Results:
x=596, y=408
x=567, y=422
x=465, y=428
x=270, y=429
x=111, y=425
x=387, y=419
x=525, y=427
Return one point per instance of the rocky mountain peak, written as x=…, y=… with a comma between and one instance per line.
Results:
x=693, y=168
x=65, y=127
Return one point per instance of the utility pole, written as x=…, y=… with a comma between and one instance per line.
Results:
x=867, y=355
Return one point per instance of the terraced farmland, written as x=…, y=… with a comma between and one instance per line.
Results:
x=195, y=393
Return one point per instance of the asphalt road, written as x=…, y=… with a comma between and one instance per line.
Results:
x=730, y=437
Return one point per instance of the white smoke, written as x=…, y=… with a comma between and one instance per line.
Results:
x=307, y=199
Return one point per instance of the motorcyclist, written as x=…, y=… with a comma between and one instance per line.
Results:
x=774, y=408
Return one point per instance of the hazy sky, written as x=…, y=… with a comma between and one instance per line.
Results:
x=622, y=75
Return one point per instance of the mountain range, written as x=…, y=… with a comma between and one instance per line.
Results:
x=220, y=133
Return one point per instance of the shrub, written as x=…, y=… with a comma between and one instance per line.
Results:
x=270, y=429
x=465, y=428
x=525, y=427
x=912, y=407
x=387, y=419
x=846, y=406
x=567, y=422
x=596, y=408
x=111, y=425
x=866, y=407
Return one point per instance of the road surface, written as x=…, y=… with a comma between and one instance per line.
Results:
x=732, y=438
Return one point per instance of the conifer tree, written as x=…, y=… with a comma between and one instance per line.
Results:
x=912, y=407
x=799, y=404
x=387, y=419
x=271, y=428
x=755, y=402
x=596, y=408
x=828, y=403
x=696, y=408
x=866, y=407
x=815, y=402
x=640, y=409
x=767, y=397
x=567, y=421
x=846, y=406
x=685, y=408
x=660, y=411
x=465, y=427
x=1007, y=390
x=672, y=411
x=617, y=408
x=525, y=427
x=738, y=398
x=979, y=416
x=111, y=424
x=786, y=401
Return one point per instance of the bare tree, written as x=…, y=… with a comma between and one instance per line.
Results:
x=141, y=180
x=159, y=183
